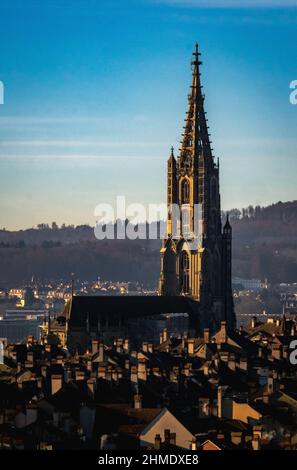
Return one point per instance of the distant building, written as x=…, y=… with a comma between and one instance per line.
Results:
x=17, y=324
x=255, y=285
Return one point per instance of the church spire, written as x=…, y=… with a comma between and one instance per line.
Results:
x=195, y=139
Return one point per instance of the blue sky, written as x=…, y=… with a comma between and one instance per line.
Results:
x=96, y=93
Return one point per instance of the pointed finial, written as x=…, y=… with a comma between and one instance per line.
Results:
x=171, y=158
x=196, y=55
x=227, y=225
x=196, y=48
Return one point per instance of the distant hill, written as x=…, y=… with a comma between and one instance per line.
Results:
x=264, y=246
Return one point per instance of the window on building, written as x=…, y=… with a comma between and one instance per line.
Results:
x=185, y=192
x=185, y=273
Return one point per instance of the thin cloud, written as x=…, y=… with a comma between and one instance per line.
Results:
x=229, y=3
x=76, y=143
x=29, y=120
x=79, y=157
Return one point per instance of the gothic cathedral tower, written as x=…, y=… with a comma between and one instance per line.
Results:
x=196, y=256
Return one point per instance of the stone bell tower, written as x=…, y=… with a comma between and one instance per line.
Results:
x=196, y=256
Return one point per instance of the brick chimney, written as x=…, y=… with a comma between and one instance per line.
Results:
x=256, y=443
x=206, y=369
x=92, y=386
x=167, y=436
x=134, y=374
x=30, y=358
x=101, y=352
x=56, y=383
x=191, y=348
x=165, y=335
x=142, y=375
x=126, y=345
x=223, y=331
x=95, y=346
x=194, y=444
x=173, y=438
x=206, y=335
x=232, y=362
x=220, y=401
x=243, y=363
x=271, y=382
x=157, y=442
x=119, y=345
x=137, y=402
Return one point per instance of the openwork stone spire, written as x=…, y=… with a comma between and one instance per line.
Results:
x=195, y=139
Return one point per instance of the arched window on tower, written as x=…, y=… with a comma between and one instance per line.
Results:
x=185, y=192
x=185, y=273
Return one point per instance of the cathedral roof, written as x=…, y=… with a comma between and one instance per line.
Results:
x=127, y=306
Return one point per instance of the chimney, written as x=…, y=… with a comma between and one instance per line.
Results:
x=101, y=352
x=220, y=401
x=95, y=346
x=56, y=383
x=165, y=335
x=133, y=374
x=157, y=442
x=167, y=436
x=101, y=372
x=232, y=362
x=243, y=363
x=254, y=321
x=256, y=443
x=270, y=384
x=145, y=347
x=39, y=383
x=173, y=438
x=150, y=348
x=79, y=374
x=67, y=374
x=30, y=358
x=206, y=369
x=206, y=335
x=119, y=345
x=223, y=332
x=142, y=370
x=92, y=386
x=161, y=337
x=137, y=402
x=126, y=345
x=194, y=444
x=191, y=348
x=115, y=375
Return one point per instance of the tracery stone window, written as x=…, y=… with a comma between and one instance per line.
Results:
x=185, y=273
